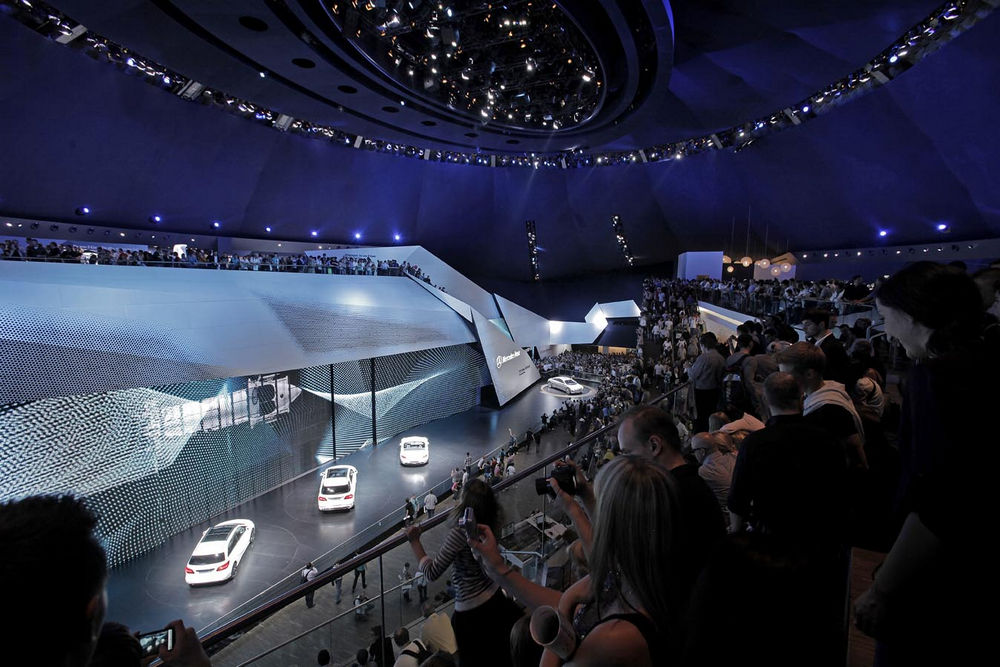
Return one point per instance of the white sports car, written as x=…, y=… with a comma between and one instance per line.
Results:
x=565, y=384
x=219, y=552
x=414, y=451
x=337, y=488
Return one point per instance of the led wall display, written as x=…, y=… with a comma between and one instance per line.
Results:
x=154, y=461
x=416, y=387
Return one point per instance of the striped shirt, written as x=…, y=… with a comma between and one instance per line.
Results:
x=472, y=586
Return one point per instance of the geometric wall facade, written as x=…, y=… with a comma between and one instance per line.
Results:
x=151, y=462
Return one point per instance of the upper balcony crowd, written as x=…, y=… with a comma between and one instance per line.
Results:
x=354, y=264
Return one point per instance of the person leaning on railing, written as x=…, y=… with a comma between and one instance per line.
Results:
x=483, y=615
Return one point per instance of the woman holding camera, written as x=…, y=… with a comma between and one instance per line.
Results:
x=623, y=612
x=483, y=615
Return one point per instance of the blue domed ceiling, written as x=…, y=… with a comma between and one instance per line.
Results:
x=290, y=95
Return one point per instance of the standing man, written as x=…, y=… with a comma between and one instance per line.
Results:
x=650, y=432
x=308, y=574
x=468, y=463
x=430, y=502
x=816, y=326
x=827, y=405
x=706, y=374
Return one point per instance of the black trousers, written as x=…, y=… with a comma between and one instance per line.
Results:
x=705, y=401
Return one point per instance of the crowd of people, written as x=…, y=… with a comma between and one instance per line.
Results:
x=198, y=258
x=729, y=546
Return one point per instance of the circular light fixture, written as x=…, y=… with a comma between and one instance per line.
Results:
x=942, y=227
x=314, y=233
x=155, y=219
x=730, y=268
x=83, y=210
x=746, y=261
x=764, y=263
x=776, y=270
x=785, y=267
x=357, y=235
x=726, y=259
x=397, y=237
x=216, y=224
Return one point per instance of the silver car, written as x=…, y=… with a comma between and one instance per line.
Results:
x=565, y=384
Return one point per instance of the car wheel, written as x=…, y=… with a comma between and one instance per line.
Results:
x=236, y=566
x=253, y=536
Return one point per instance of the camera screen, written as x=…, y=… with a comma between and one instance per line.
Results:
x=152, y=642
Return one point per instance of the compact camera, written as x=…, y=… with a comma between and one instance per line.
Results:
x=566, y=477
x=467, y=522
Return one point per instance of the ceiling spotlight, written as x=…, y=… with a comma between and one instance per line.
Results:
x=83, y=210
x=314, y=233
x=942, y=227
x=121, y=233
x=397, y=237
x=155, y=218
x=267, y=229
x=216, y=224
x=883, y=233
x=357, y=235
x=263, y=75
x=805, y=109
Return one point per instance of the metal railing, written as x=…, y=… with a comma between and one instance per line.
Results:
x=377, y=540
x=763, y=305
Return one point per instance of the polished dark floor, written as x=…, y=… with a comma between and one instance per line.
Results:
x=150, y=592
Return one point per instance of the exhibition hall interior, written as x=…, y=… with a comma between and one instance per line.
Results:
x=480, y=332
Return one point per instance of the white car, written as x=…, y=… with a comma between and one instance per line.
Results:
x=414, y=451
x=565, y=384
x=219, y=553
x=337, y=488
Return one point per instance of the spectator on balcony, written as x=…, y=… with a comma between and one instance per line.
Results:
x=816, y=326
x=479, y=602
x=947, y=476
x=59, y=616
x=716, y=457
x=827, y=404
x=706, y=375
x=650, y=432
x=437, y=632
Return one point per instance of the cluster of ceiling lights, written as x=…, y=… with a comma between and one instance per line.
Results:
x=943, y=25
x=619, y=230
x=532, y=250
x=520, y=64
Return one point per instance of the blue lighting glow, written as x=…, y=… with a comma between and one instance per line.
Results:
x=893, y=58
x=314, y=233
x=216, y=224
x=397, y=237
x=155, y=218
x=942, y=227
x=883, y=233
x=267, y=229
x=357, y=235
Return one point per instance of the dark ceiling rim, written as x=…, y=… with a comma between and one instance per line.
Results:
x=291, y=22
x=940, y=27
x=195, y=28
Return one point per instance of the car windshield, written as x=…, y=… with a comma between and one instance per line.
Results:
x=413, y=445
x=336, y=473
x=570, y=381
x=207, y=559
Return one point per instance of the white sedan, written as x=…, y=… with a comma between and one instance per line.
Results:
x=565, y=384
x=337, y=488
x=219, y=552
x=414, y=451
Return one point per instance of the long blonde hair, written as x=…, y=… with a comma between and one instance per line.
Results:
x=633, y=539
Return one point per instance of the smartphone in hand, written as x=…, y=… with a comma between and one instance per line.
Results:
x=152, y=641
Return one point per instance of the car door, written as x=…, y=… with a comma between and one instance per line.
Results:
x=241, y=543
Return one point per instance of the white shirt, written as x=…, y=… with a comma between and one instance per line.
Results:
x=438, y=634
x=430, y=501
